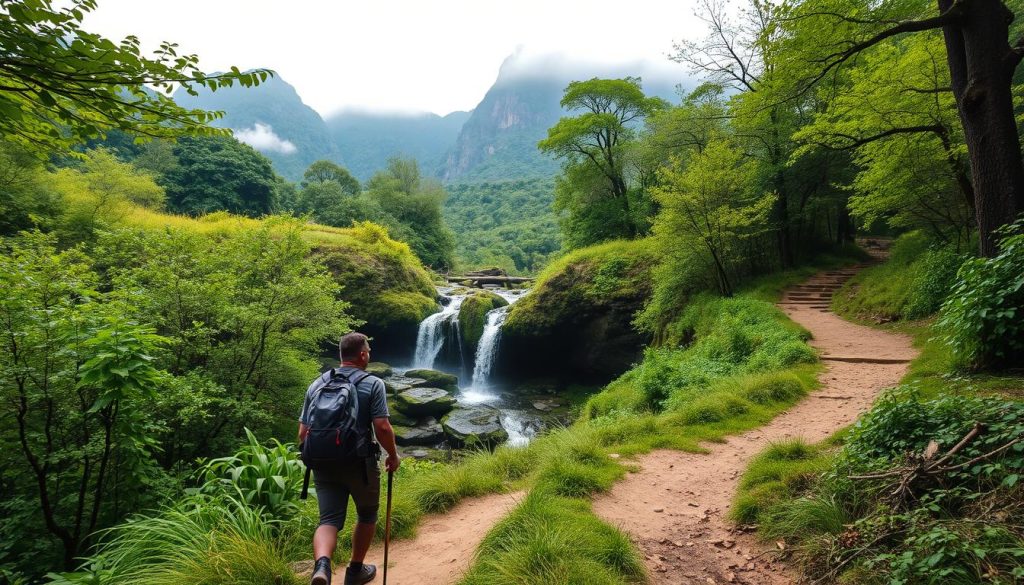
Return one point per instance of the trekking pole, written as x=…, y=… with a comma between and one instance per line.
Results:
x=387, y=527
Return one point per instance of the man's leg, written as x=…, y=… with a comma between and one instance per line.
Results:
x=325, y=540
x=362, y=535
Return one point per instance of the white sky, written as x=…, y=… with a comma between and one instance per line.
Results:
x=400, y=55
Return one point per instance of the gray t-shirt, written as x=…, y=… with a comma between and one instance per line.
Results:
x=370, y=390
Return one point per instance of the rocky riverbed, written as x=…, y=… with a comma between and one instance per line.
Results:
x=431, y=414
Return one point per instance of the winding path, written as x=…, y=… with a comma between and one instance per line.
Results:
x=674, y=506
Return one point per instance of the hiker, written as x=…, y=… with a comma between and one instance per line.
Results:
x=336, y=478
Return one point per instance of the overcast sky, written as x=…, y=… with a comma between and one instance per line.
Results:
x=400, y=55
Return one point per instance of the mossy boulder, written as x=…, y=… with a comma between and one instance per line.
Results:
x=396, y=416
x=473, y=316
x=399, y=384
x=579, y=316
x=426, y=434
x=473, y=426
x=435, y=379
x=379, y=369
x=423, y=402
x=384, y=282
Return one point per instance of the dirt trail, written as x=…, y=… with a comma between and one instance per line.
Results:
x=674, y=507
x=444, y=545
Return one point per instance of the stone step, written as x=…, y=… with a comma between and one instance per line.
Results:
x=856, y=359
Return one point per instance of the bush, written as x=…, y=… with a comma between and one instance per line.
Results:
x=983, y=318
x=269, y=478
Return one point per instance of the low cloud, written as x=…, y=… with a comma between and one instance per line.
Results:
x=262, y=138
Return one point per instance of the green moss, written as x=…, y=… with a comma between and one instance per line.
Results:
x=473, y=316
x=436, y=379
x=585, y=281
x=382, y=278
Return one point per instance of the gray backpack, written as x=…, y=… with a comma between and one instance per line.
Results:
x=334, y=434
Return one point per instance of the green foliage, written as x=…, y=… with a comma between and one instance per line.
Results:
x=323, y=171
x=550, y=539
x=582, y=282
x=982, y=317
x=220, y=174
x=595, y=146
x=383, y=280
x=712, y=203
x=911, y=284
x=199, y=540
x=25, y=200
x=415, y=203
x=954, y=528
x=509, y=224
x=64, y=85
x=267, y=478
x=729, y=337
x=77, y=377
x=245, y=313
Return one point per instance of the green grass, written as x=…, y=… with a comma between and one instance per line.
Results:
x=554, y=540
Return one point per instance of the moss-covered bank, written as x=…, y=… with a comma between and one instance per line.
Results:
x=579, y=317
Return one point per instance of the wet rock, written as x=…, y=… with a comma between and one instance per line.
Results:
x=475, y=425
x=423, y=402
x=428, y=433
x=436, y=379
x=379, y=369
x=398, y=384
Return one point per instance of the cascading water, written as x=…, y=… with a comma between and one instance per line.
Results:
x=431, y=334
x=487, y=350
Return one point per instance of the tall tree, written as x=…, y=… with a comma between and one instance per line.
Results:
x=981, y=61
x=598, y=138
x=323, y=171
x=61, y=85
x=218, y=173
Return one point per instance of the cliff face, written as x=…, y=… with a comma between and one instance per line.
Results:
x=499, y=139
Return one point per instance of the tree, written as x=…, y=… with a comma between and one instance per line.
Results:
x=76, y=378
x=411, y=205
x=25, y=199
x=600, y=136
x=981, y=62
x=897, y=117
x=323, y=171
x=713, y=201
x=218, y=173
x=61, y=85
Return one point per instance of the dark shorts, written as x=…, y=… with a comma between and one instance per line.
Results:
x=334, y=486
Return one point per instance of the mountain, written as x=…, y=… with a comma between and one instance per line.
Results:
x=367, y=140
x=272, y=119
x=499, y=140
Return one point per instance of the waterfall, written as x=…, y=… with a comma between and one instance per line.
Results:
x=431, y=334
x=487, y=349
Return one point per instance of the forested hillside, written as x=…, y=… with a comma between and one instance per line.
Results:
x=775, y=331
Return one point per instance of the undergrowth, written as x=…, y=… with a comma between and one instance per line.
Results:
x=878, y=504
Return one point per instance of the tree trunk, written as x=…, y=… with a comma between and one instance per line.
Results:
x=981, y=66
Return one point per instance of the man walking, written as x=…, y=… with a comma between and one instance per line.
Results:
x=359, y=476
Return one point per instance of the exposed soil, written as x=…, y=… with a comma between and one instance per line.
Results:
x=444, y=545
x=674, y=506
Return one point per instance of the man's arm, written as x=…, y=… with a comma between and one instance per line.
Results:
x=303, y=430
x=386, y=437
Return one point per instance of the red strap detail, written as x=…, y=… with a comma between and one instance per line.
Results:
x=337, y=437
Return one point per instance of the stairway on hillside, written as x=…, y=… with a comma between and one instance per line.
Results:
x=816, y=293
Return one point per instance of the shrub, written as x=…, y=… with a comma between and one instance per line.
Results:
x=269, y=478
x=983, y=318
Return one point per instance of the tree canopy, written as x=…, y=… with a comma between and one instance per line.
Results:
x=61, y=85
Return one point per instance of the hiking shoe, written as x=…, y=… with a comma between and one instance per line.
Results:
x=322, y=572
x=360, y=576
